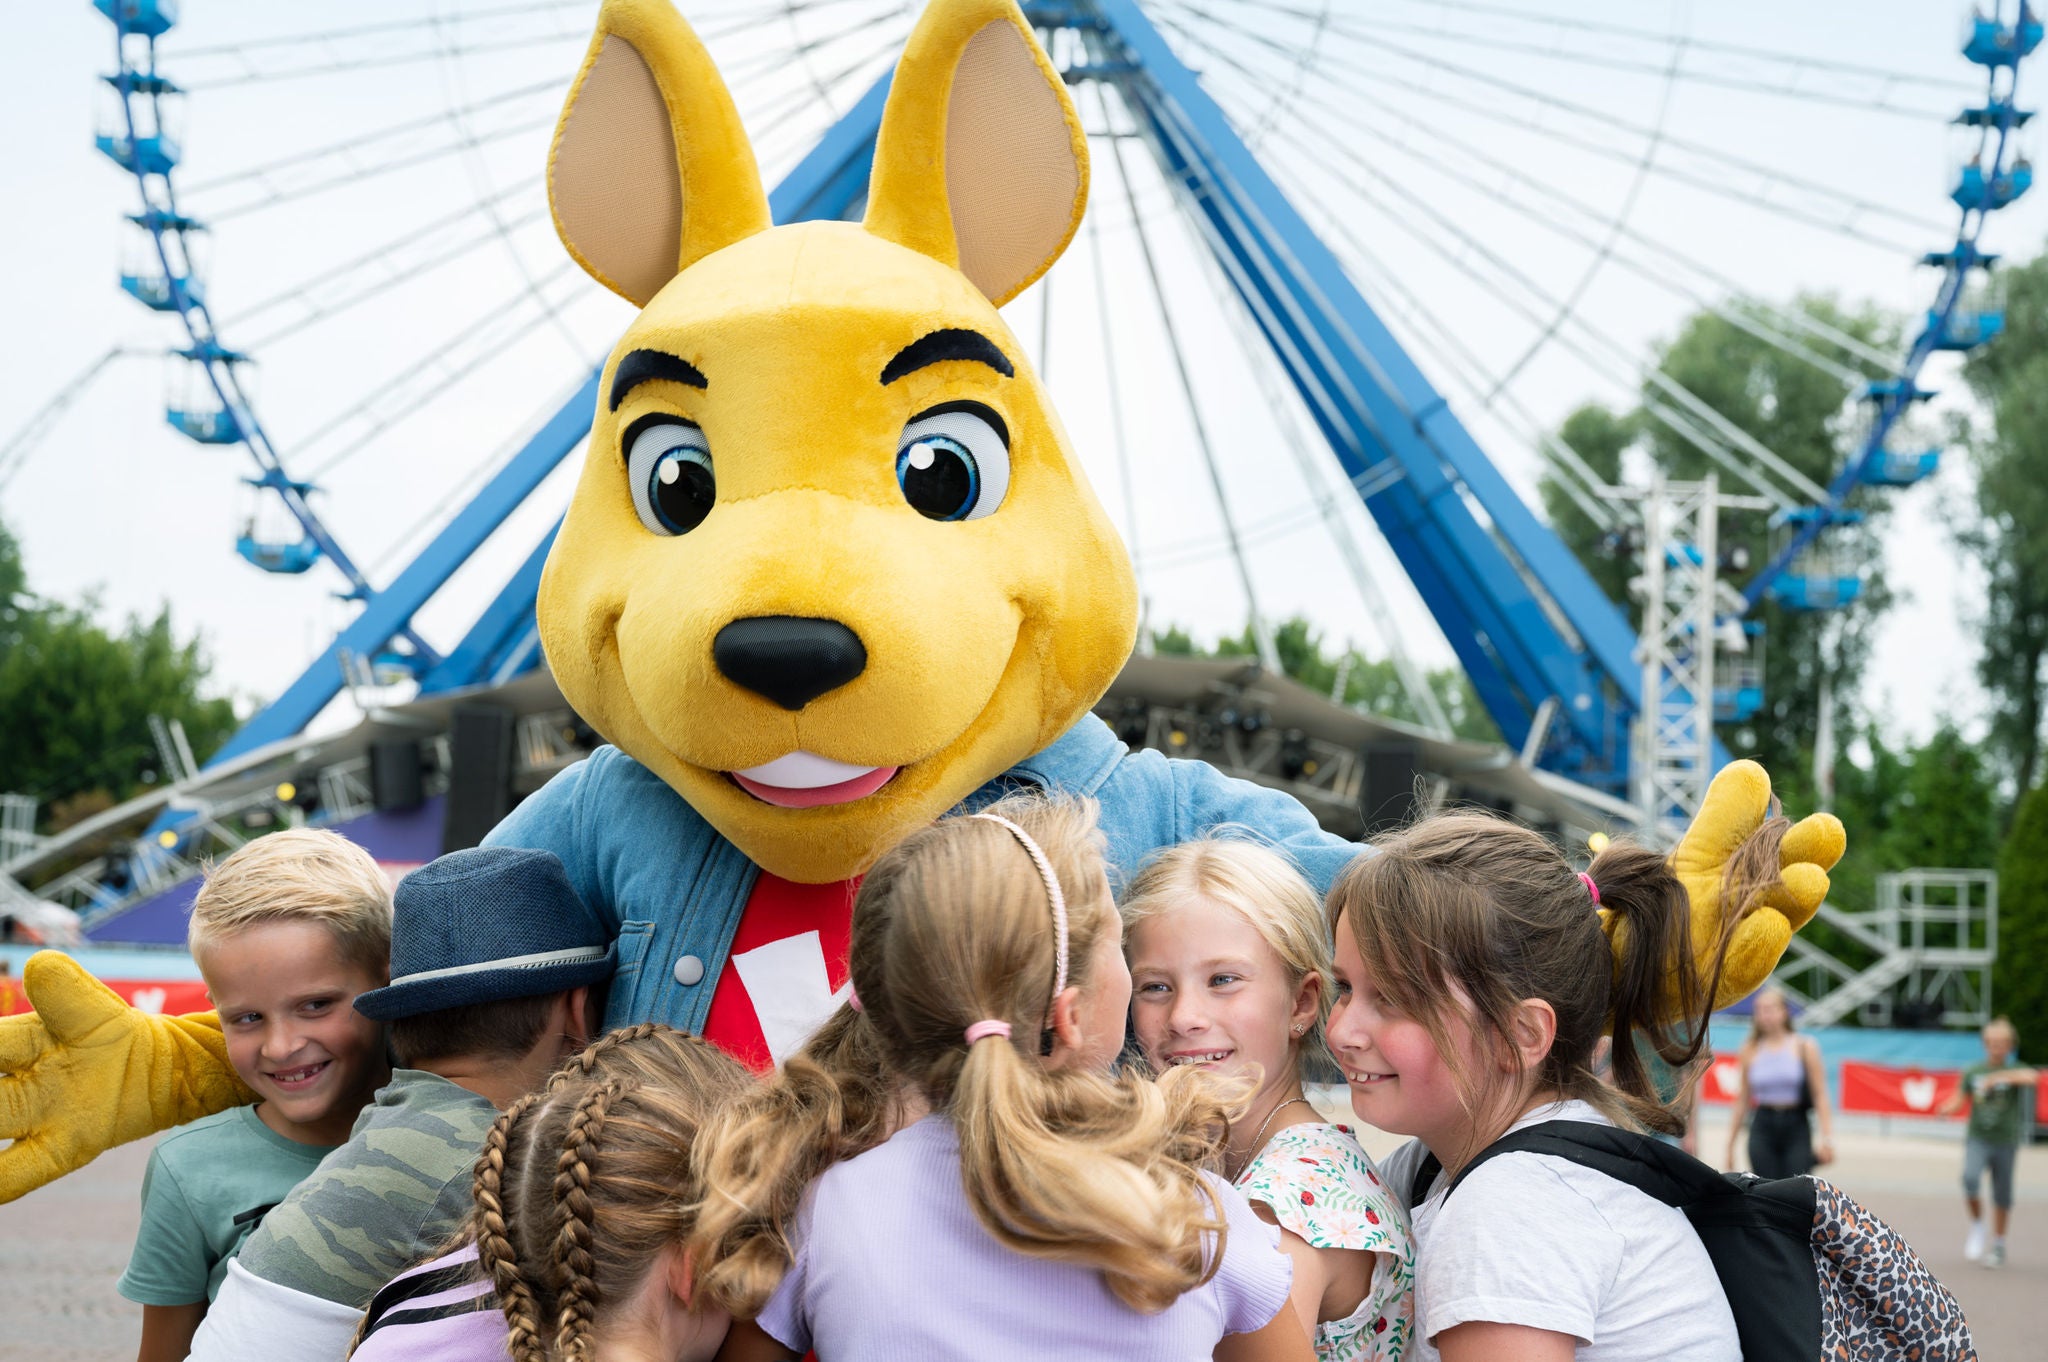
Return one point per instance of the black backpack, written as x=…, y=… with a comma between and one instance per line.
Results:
x=1809, y=1274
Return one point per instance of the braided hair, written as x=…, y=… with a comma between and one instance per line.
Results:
x=581, y=1186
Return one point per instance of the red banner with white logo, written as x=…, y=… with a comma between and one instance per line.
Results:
x=1722, y=1078
x=1887, y=1091
x=164, y=997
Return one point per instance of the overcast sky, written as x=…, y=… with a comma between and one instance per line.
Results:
x=1425, y=132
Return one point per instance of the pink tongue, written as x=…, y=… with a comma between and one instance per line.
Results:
x=783, y=796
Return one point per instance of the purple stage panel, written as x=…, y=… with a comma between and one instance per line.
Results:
x=398, y=840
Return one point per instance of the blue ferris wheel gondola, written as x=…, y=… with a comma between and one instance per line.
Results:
x=1801, y=575
x=142, y=147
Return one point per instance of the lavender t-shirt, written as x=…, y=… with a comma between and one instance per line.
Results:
x=892, y=1263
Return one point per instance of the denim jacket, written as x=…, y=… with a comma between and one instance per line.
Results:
x=674, y=889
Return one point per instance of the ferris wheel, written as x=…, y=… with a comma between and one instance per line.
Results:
x=1387, y=234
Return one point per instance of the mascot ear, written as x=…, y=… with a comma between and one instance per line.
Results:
x=651, y=169
x=981, y=162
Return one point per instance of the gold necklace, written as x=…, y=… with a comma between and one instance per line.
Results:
x=1259, y=1140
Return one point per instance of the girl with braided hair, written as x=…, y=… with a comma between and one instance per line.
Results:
x=949, y=1170
x=584, y=1196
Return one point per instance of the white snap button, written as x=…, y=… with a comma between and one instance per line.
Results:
x=689, y=970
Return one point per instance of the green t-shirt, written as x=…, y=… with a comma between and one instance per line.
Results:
x=1998, y=1111
x=208, y=1185
x=396, y=1193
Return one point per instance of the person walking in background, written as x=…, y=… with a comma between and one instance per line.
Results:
x=2001, y=1095
x=1781, y=1082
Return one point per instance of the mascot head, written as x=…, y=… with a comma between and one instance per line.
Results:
x=831, y=563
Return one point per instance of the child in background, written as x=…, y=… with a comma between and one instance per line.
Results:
x=286, y=932
x=948, y=1170
x=2001, y=1097
x=584, y=1197
x=1474, y=984
x=1230, y=972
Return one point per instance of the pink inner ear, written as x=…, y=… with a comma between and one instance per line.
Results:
x=613, y=180
x=1013, y=181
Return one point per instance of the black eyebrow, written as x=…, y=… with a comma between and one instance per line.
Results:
x=642, y=366
x=939, y=346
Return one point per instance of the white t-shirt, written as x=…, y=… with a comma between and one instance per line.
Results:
x=253, y=1320
x=1538, y=1241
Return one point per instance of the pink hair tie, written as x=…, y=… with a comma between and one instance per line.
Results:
x=983, y=1029
x=1591, y=887
x=852, y=998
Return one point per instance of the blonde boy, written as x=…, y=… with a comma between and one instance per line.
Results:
x=286, y=933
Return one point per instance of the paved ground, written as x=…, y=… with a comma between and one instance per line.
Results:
x=61, y=1248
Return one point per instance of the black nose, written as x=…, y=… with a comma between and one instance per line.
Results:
x=791, y=661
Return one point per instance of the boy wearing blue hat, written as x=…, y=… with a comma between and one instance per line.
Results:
x=498, y=972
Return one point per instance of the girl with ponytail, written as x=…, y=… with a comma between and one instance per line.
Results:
x=583, y=1195
x=949, y=1170
x=1474, y=985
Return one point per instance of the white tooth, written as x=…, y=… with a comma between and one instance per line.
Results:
x=801, y=770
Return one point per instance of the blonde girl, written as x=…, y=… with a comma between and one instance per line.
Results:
x=1230, y=972
x=1474, y=984
x=1781, y=1080
x=1026, y=1203
x=583, y=1199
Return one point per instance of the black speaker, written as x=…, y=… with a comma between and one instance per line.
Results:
x=397, y=778
x=479, y=774
x=1386, y=796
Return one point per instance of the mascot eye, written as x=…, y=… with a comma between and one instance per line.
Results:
x=668, y=469
x=953, y=462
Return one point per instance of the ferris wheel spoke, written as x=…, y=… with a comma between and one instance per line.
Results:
x=383, y=256
x=433, y=45
x=1756, y=318
x=325, y=310
x=1692, y=417
x=428, y=375
x=363, y=142
x=358, y=173
x=1873, y=92
x=1486, y=388
x=1852, y=206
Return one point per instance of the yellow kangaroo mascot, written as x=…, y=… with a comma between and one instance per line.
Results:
x=832, y=570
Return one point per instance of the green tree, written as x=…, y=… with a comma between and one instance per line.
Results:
x=2019, y=979
x=13, y=585
x=75, y=701
x=2005, y=525
x=1599, y=436
x=1945, y=810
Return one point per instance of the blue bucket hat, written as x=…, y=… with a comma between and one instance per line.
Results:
x=487, y=925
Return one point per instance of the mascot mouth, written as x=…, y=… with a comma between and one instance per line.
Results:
x=805, y=780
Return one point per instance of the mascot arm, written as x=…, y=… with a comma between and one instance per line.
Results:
x=554, y=818
x=1206, y=800
x=1737, y=804
x=85, y=1072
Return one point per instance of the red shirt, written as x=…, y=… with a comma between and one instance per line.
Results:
x=785, y=970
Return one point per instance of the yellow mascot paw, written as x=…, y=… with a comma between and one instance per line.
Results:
x=1737, y=805
x=85, y=1072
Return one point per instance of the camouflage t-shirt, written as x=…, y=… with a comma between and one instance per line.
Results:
x=393, y=1195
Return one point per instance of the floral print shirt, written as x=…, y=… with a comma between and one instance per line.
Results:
x=1321, y=1186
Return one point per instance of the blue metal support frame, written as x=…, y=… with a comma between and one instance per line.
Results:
x=1523, y=615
